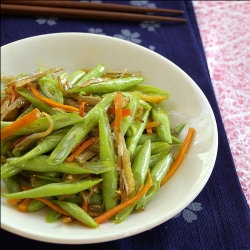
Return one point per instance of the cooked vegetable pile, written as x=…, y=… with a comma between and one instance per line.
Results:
x=90, y=146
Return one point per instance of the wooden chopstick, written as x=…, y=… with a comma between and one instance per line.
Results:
x=94, y=6
x=86, y=10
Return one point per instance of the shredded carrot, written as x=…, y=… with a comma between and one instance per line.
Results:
x=14, y=200
x=51, y=102
x=113, y=211
x=23, y=121
x=83, y=146
x=81, y=110
x=178, y=160
x=152, y=124
x=112, y=125
x=17, y=141
x=85, y=206
x=125, y=112
x=52, y=205
x=23, y=206
x=14, y=94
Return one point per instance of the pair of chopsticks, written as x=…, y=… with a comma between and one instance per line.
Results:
x=88, y=10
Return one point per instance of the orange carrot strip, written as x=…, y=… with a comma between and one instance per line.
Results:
x=178, y=160
x=23, y=121
x=125, y=112
x=49, y=101
x=113, y=211
x=152, y=124
x=81, y=148
x=14, y=94
x=23, y=206
x=81, y=110
x=85, y=206
x=52, y=205
x=13, y=200
x=149, y=131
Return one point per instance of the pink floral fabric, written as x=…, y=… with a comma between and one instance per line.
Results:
x=225, y=32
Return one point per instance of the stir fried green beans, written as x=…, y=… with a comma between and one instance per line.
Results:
x=104, y=131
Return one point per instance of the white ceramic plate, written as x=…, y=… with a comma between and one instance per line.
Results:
x=187, y=104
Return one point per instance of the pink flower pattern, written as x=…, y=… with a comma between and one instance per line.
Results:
x=225, y=32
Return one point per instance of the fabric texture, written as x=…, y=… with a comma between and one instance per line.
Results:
x=219, y=217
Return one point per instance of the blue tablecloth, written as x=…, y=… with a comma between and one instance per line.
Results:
x=219, y=217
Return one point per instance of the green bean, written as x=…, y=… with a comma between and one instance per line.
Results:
x=50, y=88
x=75, y=77
x=150, y=90
x=107, y=152
x=12, y=183
x=48, y=144
x=75, y=198
x=158, y=172
x=133, y=105
x=36, y=102
x=153, y=138
x=79, y=131
x=8, y=171
x=177, y=130
x=175, y=140
x=41, y=124
x=140, y=168
x=52, y=215
x=113, y=85
x=39, y=164
x=54, y=189
x=39, y=183
x=139, y=127
x=48, y=178
x=78, y=213
x=162, y=130
x=35, y=205
x=156, y=157
x=6, y=145
x=95, y=199
x=96, y=72
x=156, y=147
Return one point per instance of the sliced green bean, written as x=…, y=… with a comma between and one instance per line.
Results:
x=52, y=216
x=79, y=131
x=8, y=171
x=75, y=77
x=162, y=130
x=54, y=189
x=50, y=88
x=35, y=205
x=41, y=124
x=156, y=157
x=140, y=168
x=150, y=90
x=36, y=102
x=109, y=86
x=139, y=127
x=107, y=152
x=133, y=106
x=78, y=213
x=48, y=144
x=157, y=173
x=96, y=72
x=39, y=164
x=12, y=183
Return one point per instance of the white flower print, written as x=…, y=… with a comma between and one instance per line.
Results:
x=143, y=4
x=96, y=31
x=150, y=25
x=152, y=47
x=50, y=21
x=188, y=213
x=127, y=35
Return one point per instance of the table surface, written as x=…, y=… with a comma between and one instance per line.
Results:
x=225, y=32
